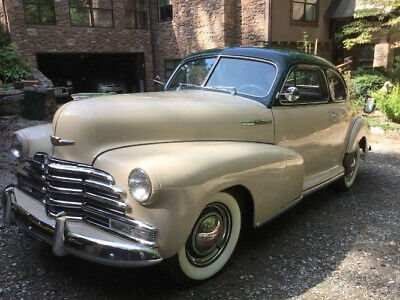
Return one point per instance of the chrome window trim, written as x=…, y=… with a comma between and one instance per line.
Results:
x=303, y=103
x=218, y=58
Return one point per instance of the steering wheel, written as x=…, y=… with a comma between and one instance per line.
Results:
x=251, y=87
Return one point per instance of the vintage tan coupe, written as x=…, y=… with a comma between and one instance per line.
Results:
x=238, y=135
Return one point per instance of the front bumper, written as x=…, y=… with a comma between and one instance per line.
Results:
x=71, y=235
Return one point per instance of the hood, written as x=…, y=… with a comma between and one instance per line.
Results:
x=100, y=124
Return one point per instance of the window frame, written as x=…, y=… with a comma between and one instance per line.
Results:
x=304, y=66
x=91, y=15
x=159, y=13
x=304, y=22
x=136, y=11
x=344, y=84
x=38, y=5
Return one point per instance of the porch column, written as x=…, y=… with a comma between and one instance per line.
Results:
x=383, y=54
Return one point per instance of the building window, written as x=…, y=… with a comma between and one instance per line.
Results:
x=91, y=13
x=136, y=14
x=305, y=11
x=169, y=66
x=164, y=10
x=39, y=12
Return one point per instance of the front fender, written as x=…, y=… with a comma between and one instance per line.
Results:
x=189, y=173
x=358, y=131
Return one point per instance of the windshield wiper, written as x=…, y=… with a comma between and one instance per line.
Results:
x=230, y=89
x=190, y=85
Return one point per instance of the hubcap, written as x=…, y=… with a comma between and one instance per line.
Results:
x=352, y=167
x=209, y=236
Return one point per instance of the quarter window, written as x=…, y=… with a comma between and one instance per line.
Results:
x=91, y=13
x=305, y=10
x=39, y=12
x=164, y=10
x=136, y=14
x=336, y=86
x=311, y=84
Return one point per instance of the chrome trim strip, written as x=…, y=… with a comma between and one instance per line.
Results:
x=118, y=191
x=255, y=122
x=57, y=141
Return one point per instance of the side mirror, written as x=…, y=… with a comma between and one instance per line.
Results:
x=370, y=105
x=157, y=80
x=292, y=94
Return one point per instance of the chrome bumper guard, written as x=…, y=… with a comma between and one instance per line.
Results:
x=71, y=236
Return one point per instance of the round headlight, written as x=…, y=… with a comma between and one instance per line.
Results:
x=17, y=147
x=140, y=185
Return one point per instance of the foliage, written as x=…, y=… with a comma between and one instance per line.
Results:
x=377, y=122
x=374, y=17
x=4, y=37
x=13, y=66
x=364, y=84
x=389, y=103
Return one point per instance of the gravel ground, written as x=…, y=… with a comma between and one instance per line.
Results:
x=332, y=246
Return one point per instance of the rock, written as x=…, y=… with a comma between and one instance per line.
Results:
x=11, y=105
x=392, y=244
x=377, y=130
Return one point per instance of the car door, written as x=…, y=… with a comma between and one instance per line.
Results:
x=340, y=112
x=305, y=125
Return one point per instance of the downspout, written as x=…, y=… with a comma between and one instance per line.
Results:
x=6, y=17
x=268, y=18
x=152, y=41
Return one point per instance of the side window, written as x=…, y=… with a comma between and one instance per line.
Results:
x=337, y=87
x=310, y=82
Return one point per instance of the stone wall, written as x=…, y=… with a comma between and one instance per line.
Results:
x=64, y=38
x=253, y=22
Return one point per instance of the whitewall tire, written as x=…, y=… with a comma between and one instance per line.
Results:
x=211, y=242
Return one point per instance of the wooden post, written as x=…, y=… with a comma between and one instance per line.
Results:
x=316, y=47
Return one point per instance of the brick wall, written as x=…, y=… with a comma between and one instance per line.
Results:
x=64, y=38
x=197, y=25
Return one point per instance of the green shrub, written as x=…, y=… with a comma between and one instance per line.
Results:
x=365, y=84
x=394, y=72
x=389, y=103
x=4, y=37
x=13, y=66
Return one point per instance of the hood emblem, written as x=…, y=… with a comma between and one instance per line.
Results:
x=57, y=141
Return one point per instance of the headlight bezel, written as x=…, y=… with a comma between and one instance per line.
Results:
x=138, y=180
x=19, y=147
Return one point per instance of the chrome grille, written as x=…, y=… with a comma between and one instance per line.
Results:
x=80, y=191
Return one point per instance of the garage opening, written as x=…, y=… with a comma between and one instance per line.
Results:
x=83, y=72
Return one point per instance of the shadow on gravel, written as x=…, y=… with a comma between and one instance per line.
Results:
x=285, y=258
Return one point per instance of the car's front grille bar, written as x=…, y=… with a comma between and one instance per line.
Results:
x=80, y=191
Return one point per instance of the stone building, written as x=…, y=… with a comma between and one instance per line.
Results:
x=134, y=40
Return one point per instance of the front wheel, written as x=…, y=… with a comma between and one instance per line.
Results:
x=210, y=243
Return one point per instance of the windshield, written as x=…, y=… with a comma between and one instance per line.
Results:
x=192, y=73
x=243, y=76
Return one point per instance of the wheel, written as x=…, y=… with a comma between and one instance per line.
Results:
x=210, y=243
x=352, y=164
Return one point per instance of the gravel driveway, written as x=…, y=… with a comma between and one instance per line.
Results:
x=332, y=245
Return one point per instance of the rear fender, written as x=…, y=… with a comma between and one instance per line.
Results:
x=358, y=137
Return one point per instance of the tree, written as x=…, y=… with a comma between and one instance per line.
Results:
x=372, y=18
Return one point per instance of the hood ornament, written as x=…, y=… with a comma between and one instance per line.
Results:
x=57, y=141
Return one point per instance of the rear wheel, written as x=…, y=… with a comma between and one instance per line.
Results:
x=210, y=243
x=352, y=164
